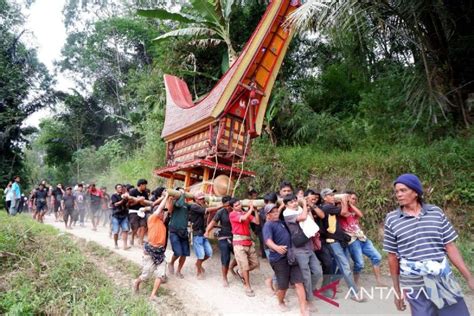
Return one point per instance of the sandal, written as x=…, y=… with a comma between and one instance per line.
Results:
x=249, y=292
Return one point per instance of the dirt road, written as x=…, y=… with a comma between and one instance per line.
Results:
x=210, y=297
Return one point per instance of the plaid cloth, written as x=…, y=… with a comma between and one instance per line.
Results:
x=440, y=284
x=157, y=254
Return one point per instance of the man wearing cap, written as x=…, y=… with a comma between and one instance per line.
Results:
x=278, y=240
x=337, y=239
x=202, y=247
x=300, y=221
x=419, y=240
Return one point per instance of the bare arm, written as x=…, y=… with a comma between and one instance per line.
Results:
x=256, y=217
x=394, y=266
x=209, y=228
x=319, y=212
x=280, y=249
x=162, y=204
x=304, y=214
x=170, y=206
x=213, y=208
x=344, y=207
x=456, y=258
x=356, y=210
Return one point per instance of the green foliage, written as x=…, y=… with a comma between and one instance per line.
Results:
x=25, y=87
x=44, y=272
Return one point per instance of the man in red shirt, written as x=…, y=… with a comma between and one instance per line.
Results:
x=244, y=251
x=359, y=244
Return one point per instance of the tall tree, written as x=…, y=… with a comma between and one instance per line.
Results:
x=434, y=36
x=25, y=87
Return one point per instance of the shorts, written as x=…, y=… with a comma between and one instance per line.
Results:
x=68, y=212
x=95, y=210
x=57, y=205
x=179, y=245
x=41, y=207
x=246, y=257
x=136, y=221
x=149, y=268
x=286, y=274
x=118, y=223
x=202, y=247
x=225, y=247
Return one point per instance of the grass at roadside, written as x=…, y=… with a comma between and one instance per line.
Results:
x=42, y=271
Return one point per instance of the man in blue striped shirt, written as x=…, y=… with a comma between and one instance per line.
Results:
x=419, y=238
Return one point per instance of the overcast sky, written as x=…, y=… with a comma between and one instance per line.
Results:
x=44, y=21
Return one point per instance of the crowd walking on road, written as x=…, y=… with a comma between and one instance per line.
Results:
x=311, y=239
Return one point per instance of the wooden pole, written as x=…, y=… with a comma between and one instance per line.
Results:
x=216, y=200
x=187, y=180
x=205, y=179
x=171, y=182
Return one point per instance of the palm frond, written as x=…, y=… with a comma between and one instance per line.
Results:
x=305, y=15
x=206, y=42
x=163, y=14
x=188, y=31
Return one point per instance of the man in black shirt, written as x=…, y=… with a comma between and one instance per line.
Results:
x=69, y=205
x=120, y=215
x=337, y=239
x=58, y=193
x=224, y=237
x=201, y=245
x=39, y=200
x=138, y=198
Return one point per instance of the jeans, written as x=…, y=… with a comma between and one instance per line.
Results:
x=202, y=247
x=118, y=223
x=341, y=256
x=311, y=271
x=179, y=245
x=359, y=248
x=14, y=206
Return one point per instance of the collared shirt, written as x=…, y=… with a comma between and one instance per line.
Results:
x=418, y=238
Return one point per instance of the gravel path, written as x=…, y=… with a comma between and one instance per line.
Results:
x=210, y=297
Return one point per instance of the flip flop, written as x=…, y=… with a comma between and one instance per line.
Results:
x=249, y=293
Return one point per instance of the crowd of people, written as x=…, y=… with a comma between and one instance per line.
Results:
x=311, y=239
